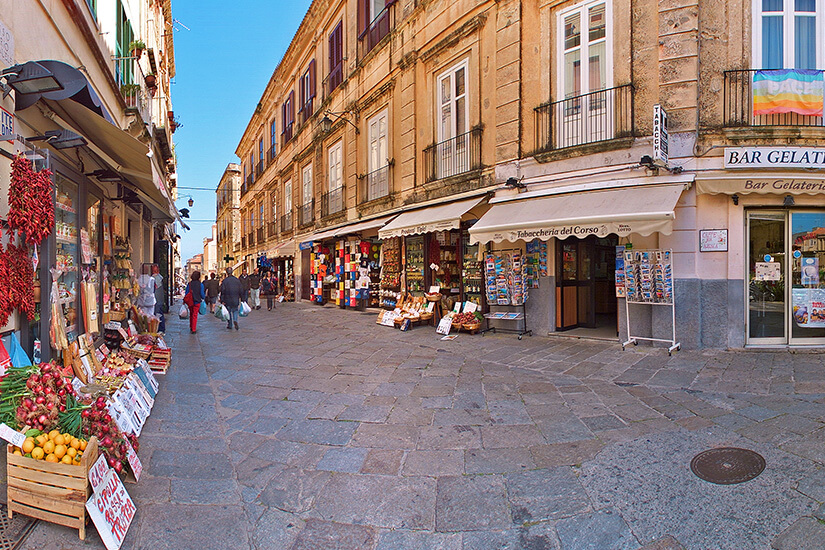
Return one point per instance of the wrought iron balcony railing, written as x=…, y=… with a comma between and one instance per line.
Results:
x=261, y=234
x=286, y=222
x=286, y=135
x=589, y=118
x=332, y=202
x=453, y=156
x=272, y=229
x=374, y=185
x=259, y=169
x=739, y=108
x=306, y=213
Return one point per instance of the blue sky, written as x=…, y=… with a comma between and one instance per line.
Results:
x=223, y=63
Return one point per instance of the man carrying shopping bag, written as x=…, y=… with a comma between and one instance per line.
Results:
x=255, y=291
x=231, y=292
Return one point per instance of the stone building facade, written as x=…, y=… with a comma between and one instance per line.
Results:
x=557, y=105
x=228, y=220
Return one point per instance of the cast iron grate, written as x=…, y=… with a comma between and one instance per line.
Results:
x=13, y=531
x=727, y=465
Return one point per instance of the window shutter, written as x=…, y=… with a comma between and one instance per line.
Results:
x=332, y=52
x=363, y=17
x=311, y=80
x=291, y=113
x=284, y=122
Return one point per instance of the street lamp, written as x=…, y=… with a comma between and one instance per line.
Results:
x=61, y=139
x=326, y=122
x=29, y=78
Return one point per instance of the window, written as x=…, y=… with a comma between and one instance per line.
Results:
x=788, y=34
x=273, y=199
x=288, y=116
x=251, y=166
x=374, y=23
x=307, y=91
x=124, y=36
x=378, y=159
x=452, y=102
x=336, y=57
x=260, y=154
x=592, y=46
x=92, y=7
x=261, y=214
x=336, y=179
x=288, y=196
x=273, y=137
x=306, y=185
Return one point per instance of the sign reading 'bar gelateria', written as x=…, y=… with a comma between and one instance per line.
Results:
x=774, y=157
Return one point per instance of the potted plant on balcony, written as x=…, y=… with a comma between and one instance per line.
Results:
x=136, y=48
x=151, y=83
x=130, y=93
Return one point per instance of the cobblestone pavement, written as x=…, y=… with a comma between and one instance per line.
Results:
x=314, y=428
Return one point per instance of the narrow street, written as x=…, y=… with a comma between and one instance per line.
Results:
x=314, y=428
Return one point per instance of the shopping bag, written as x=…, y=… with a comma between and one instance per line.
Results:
x=202, y=309
x=19, y=358
x=219, y=313
x=245, y=309
x=224, y=313
x=184, y=312
x=5, y=359
x=188, y=300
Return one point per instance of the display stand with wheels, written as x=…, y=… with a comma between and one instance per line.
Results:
x=509, y=316
x=649, y=281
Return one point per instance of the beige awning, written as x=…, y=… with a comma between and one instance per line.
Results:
x=641, y=210
x=767, y=183
x=362, y=226
x=286, y=248
x=428, y=220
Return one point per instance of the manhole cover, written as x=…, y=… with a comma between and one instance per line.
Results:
x=727, y=465
x=13, y=531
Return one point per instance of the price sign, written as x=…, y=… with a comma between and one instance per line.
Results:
x=134, y=461
x=98, y=472
x=12, y=436
x=444, y=326
x=112, y=510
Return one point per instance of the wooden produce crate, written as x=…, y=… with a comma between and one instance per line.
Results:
x=56, y=493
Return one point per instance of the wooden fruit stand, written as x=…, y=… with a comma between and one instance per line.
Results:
x=56, y=493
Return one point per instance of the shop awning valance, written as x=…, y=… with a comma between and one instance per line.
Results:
x=362, y=226
x=427, y=220
x=286, y=248
x=764, y=184
x=641, y=210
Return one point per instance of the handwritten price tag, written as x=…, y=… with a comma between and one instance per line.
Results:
x=134, y=461
x=98, y=472
x=12, y=436
x=112, y=510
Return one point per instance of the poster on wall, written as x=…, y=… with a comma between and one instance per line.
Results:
x=809, y=307
x=767, y=271
x=810, y=271
x=713, y=240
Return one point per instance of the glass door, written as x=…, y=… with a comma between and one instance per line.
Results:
x=766, y=278
x=807, y=277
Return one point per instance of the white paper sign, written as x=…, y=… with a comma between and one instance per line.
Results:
x=112, y=510
x=444, y=326
x=470, y=307
x=12, y=436
x=134, y=461
x=98, y=472
x=767, y=271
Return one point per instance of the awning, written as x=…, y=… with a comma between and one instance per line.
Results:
x=641, y=210
x=428, y=220
x=286, y=248
x=362, y=226
x=765, y=183
x=237, y=265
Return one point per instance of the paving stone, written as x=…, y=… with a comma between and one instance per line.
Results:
x=174, y=526
x=275, y=529
x=601, y=530
x=382, y=462
x=563, y=430
x=502, y=437
x=734, y=421
x=190, y=466
x=449, y=437
x=813, y=484
x=546, y=494
x=363, y=413
x=434, y=463
x=289, y=452
x=534, y=537
x=204, y=491
x=605, y=422
x=326, y=411
x=380, y=501
x=664, y=543
x=804, y=534
x=470, y=503
x=497, y=461
x=386, y=436
x=343, y=459
x=293, y=490
x=418, y=540
x=565, y=454
x=324, y=432
x=325, y=535
x=757, y=413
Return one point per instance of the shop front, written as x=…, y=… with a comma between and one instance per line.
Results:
x=554, y=254
x=778, y=258
x=281, y=260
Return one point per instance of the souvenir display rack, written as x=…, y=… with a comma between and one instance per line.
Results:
x=415, y=265
x=505, y=286
x=473, y=272
x=390, y=270
x=648, y=280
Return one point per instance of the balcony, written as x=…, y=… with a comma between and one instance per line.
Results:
x=453, y=157
x=259, y=169
x=332, y=81
x=332, y=202
x=306, y=111
x=261, y=234
x=374, y=185
x=272, y=153
x=286, y=223
x=133, y=86
x=250, y=239
x=272, y=229
x=243, y=242
x=589, y=118
x=286, y=135
x=380, y=27
x=738, y=104
x=306, y=213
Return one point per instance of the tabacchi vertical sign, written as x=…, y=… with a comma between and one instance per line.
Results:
x=659, y=134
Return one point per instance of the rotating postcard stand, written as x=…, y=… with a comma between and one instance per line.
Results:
x=648, y=280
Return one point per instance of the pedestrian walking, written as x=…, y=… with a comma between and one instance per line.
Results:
x=212, y=286
x=269, y=288
x=245, y=286
x=160, y=297
x=195, y=287
x=146, y=296
x=231, y=294
x=255, y=291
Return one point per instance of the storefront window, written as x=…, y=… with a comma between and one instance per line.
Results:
x=808, y=275
x=415, y=265
x=66, y=256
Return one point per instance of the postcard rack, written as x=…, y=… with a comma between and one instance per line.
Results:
x=515, y=316
x=649, y=281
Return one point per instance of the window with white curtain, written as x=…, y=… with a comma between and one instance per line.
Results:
x=378, y=157
x=788, y=34
x=585, y=39
x=288, y=196
x=336, y=179
x=306, y=185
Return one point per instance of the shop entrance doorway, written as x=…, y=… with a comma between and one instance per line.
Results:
x=782, y=309
x=585, y=285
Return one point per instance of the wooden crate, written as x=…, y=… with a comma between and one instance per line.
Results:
x=56, y=493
